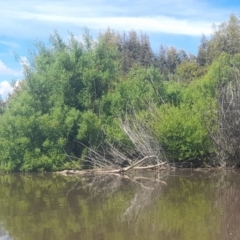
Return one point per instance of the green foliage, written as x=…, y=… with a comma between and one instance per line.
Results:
x=173, y=92
x=189, y=70
x=225, y=39
x=181, y=131
x=137, y=90
x=57, y=105
x=90, y=132
x=75, y=93
x=183, y=128
x=168, y=59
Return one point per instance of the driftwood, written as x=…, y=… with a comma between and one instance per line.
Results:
x=134, y=166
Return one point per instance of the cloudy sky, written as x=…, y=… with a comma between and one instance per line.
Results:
x=178, y=23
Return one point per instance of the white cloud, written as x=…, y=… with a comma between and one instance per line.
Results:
x=5, y=89
x=4, y=70
x=24, y=61
x=161, y=24
x=36, y=18
x=17, y=84
x=9, y=44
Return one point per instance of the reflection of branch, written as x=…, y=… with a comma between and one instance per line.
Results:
x=80, y=172
x=147, y=190
x=143, y=198
x=149, y=179
x=72, y=188
x=103, y=186
x=227, y=202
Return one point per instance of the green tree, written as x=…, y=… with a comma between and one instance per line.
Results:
x=224, y=39
x=57, y=103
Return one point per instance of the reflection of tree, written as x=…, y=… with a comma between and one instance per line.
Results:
x=34, y=207
x=104, y=184
x=111, y=206
x=3, y=233
x=149, y=190
x=146, y=189
x=228, y=201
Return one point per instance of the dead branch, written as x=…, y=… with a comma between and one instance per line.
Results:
x=118, y=158
x=122, y=170
x=133, y=167
x=141, y=137
x=137, y=163
x=227, y=137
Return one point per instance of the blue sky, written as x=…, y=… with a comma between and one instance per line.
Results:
x=178, y=23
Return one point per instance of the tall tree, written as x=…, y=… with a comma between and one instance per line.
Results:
x=168, y=59
x=225, y=38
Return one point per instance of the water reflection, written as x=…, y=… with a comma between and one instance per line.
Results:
x=180, y=205
x=4, y=234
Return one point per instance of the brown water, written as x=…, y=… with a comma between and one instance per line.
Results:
x=183, y=205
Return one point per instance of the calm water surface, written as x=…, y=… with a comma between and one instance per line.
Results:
x=181, y=205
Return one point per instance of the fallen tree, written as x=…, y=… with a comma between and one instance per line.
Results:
x=134, y=166
x=145, y=152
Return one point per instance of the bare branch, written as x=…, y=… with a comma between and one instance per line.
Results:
x=227, y=136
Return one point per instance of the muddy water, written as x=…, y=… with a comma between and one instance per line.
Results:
x=180, y=205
